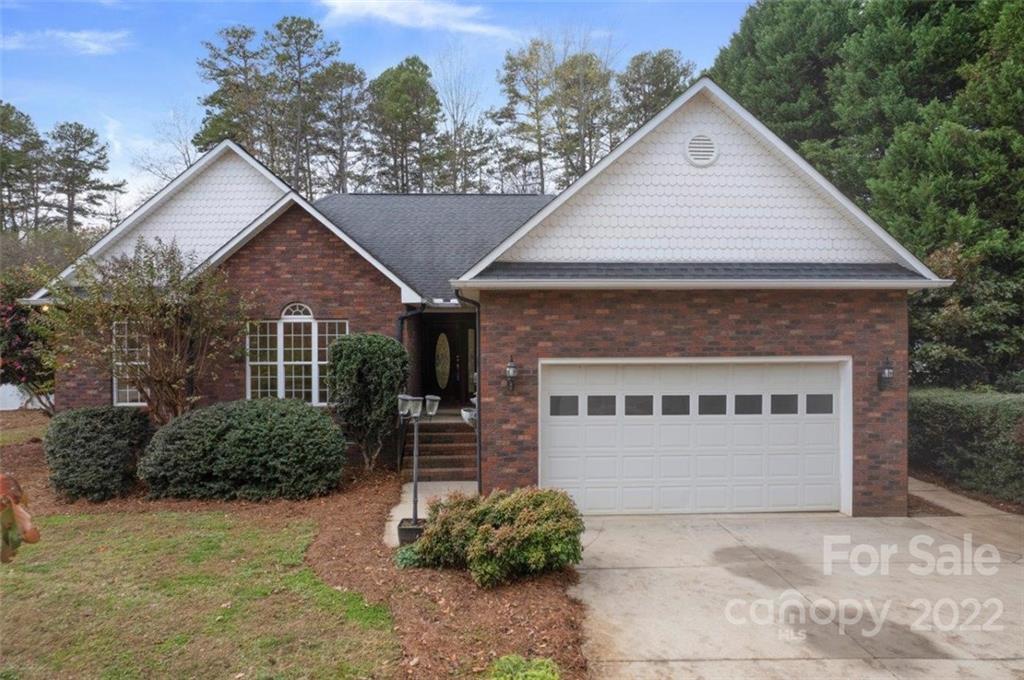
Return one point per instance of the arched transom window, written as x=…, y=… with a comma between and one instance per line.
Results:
x=287, y=357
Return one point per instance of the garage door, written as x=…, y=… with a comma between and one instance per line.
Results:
x=678, y=438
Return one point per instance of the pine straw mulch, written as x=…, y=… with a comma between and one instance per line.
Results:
x=919, y=507
x=447, y=625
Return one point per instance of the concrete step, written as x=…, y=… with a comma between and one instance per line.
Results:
x=458, y=474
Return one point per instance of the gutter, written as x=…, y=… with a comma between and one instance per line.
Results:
x=698, y=284
x=479, y=401
x=400, y=321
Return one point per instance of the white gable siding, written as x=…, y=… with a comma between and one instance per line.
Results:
x=652, y=205
x=208, y=211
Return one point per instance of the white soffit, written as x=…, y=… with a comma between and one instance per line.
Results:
x=647, y=201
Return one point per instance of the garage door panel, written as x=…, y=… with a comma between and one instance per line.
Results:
x=714, y=465
x=638, y=436
x=601, y=499
x=652, y=445
x=747, y=497
x=748, y=465
x=564, y=469
x=673, y=435
x=674, y=467
x=706, y=435
x=635, y=499
x=600, y=436
x=601, y=468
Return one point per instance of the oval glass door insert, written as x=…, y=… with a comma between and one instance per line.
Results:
x=442, y=360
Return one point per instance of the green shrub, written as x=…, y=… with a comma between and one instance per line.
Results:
x=408, y=557
x=973, y=439
x=365, y=374
x=515, y=667
x=503, y=536
x=1011, y=382
x=93, y=452
x=254, y=450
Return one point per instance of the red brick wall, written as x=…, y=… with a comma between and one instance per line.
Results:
x=867, y=325
x=295, y=259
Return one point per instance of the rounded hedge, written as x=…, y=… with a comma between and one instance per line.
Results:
x=93, y=452
x=253, y=450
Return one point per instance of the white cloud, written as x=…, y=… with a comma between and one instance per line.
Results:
x=79, y=42
x=429, y=14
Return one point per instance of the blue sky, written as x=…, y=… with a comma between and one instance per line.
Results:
x=121, y=67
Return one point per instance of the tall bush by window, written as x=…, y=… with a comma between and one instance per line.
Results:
x=174, y=323
x=366, y=373
x=25, y=357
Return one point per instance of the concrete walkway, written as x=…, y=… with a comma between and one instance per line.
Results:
x=428, y=490
x=734, y=596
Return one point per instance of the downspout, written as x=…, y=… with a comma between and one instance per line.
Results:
x=479, y=401
x=400, y=321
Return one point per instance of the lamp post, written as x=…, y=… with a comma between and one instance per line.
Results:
x=411, y=408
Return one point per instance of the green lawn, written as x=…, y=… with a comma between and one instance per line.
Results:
x=179, y=595
x=20, y=435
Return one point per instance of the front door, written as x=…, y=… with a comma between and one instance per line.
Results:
x=447, y=353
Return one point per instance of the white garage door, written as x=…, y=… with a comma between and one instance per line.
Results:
x=677, y=438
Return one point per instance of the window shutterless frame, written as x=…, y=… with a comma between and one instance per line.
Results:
x=297, y=374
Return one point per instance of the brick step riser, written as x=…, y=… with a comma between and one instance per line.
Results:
x=442, y=475
x=442, y=462
x=442, y=439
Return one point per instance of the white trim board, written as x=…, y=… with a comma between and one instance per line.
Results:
x=161, y=197
x=843, y=363
x=698, y=284
x=758, y=129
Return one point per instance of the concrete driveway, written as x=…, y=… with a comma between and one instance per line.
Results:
x=756, y=597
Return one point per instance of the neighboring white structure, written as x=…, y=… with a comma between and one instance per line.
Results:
x=12, y=399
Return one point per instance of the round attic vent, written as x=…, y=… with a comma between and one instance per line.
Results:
x=701, y=150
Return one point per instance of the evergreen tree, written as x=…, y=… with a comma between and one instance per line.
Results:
x=23, y=166
x=651, y=81
x=525, y=80
x=74, y=181
x=581, y=92
x=340, y=124
x=402, y=119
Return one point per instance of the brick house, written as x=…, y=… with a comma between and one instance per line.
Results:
x=701, y=323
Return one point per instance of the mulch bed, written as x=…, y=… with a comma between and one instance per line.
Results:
x=919, y=507
x=447, y=625
x=998, y=503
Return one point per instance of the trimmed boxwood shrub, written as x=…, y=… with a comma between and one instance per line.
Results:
x=504, y=536
x=253, y=450
x=973, y=439
x=93, y=452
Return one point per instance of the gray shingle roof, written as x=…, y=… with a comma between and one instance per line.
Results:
x=428, y=239
x=696, y=270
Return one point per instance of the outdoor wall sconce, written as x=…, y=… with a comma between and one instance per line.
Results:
x=511, y=371
x=886, y=374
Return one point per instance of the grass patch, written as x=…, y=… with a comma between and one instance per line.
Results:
x=20, y=435
x=183, y=595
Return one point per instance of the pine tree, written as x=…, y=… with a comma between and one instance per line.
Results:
x=651, y=81
x=77, y=162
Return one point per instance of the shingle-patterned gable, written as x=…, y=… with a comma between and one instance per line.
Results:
x=654, y=205
x=205, y=213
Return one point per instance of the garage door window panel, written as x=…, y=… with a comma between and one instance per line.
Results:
x=675, y=405
x=819, y=404
x=639, y=405
x=712, y=405
x=785, y=404
x=601, y=405
x=565, y=405
x=747, y=405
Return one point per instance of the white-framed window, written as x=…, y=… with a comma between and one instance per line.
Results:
x=129, y=351
x=287, y=357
